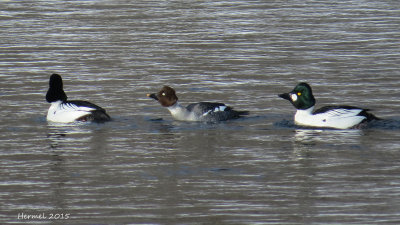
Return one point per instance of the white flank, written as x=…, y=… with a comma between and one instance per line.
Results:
x=66, y=113
x=337, y=118
x=181, y=113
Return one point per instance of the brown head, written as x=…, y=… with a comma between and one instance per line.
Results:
x=166, y=96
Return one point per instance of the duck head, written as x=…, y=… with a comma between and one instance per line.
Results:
x=56, y=91
x=301, y=96
x=166, y=96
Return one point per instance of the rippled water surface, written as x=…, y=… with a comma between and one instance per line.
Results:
x=146, y=168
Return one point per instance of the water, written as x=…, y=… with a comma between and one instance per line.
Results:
x=146, y=168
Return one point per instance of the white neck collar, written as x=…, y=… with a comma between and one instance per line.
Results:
x=306, y=111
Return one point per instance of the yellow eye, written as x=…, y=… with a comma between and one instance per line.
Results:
x=298, y=93
x=163, y=94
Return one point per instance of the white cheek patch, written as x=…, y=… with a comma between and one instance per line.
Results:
x=293, y=97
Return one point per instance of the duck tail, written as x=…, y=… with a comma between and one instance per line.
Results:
x=369, y=116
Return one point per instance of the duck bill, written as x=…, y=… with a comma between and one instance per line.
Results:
x=153, y=96
x=285, y=96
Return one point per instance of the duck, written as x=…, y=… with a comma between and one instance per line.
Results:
x=336, y=117
x=202, y=111
x=63, y=111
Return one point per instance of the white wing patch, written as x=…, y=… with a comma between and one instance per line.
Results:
x=220, y=108
x=216, y=109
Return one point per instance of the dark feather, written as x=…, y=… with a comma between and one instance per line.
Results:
x=54, y=94
x=85, y=104
x=97, y=115
x=55, y=91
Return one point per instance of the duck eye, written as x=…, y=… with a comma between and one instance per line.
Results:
x=163, y=94
x=298, y=93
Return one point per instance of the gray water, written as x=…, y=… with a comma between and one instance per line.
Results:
x=146, y=168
